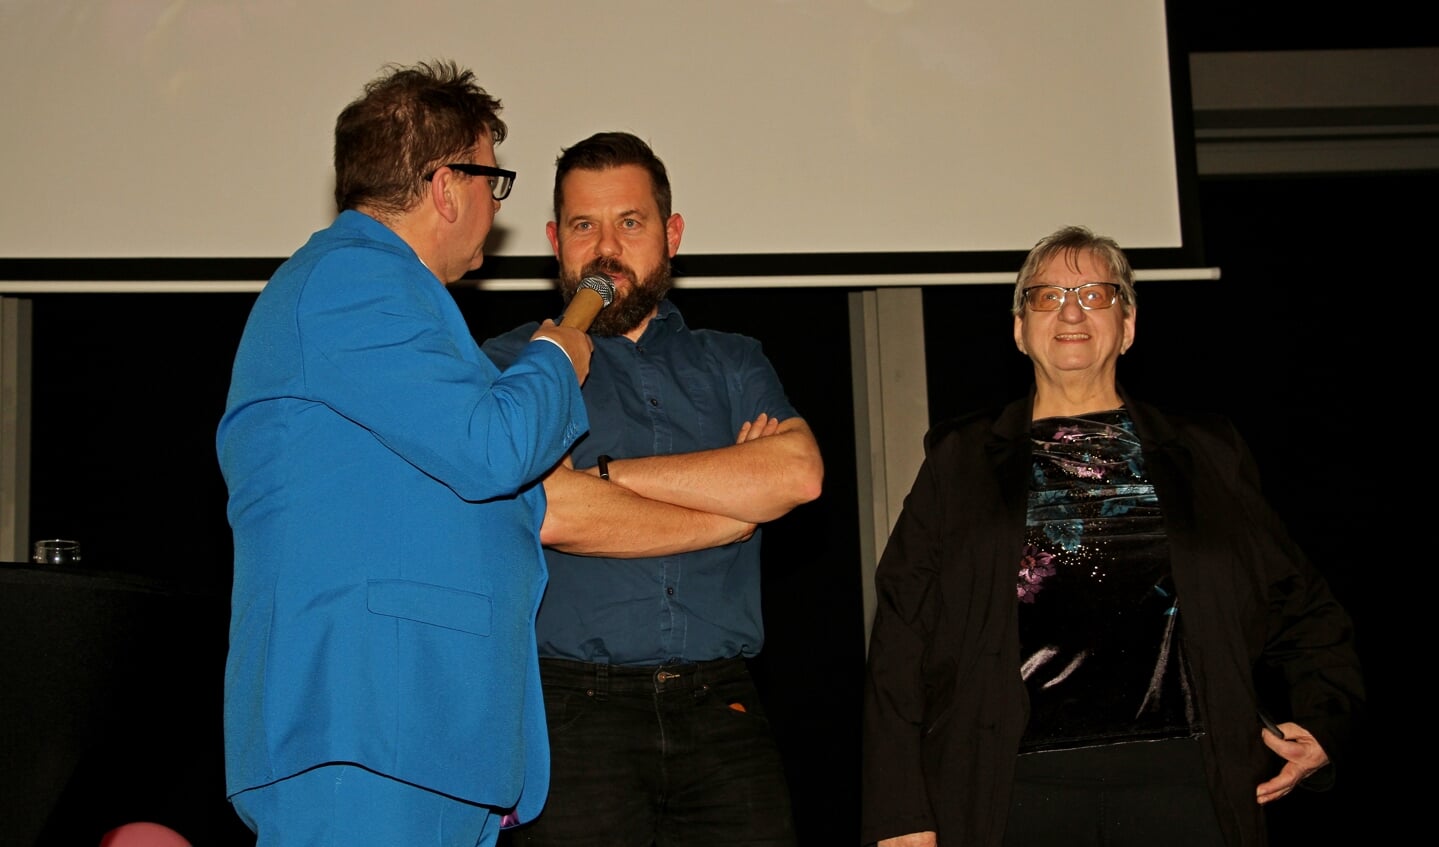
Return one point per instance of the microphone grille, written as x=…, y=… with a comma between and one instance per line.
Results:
x=601, y=285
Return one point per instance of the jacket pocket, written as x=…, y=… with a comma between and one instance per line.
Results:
x=435, y=605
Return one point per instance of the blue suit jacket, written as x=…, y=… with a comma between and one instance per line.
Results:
x=383, y=497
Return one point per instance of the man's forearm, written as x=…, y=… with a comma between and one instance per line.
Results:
x=588, y=516
x=754, y=481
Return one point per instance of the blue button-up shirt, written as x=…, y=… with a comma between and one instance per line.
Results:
x=675, y=391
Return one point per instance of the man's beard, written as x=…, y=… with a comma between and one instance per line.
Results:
x=629, y=308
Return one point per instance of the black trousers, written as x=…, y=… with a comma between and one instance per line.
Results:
x=673, y=755
x=1142, y=794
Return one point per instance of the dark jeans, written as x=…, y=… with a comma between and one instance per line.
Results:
x=1140, y=794
x=674, y=756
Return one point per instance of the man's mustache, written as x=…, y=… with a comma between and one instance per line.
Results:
x=607, y=265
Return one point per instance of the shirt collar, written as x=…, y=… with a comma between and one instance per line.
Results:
x=667, y=322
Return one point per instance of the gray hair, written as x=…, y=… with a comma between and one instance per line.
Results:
x=1070, y=242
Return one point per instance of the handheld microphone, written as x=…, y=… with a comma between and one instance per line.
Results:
x=595, y=292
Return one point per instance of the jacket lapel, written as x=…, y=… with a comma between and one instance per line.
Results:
x=1008, y=449
x=1169, y=466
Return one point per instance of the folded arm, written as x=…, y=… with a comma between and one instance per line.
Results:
x=588, y=516
x=766, y=473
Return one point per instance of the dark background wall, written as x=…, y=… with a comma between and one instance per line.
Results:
x=128, y=389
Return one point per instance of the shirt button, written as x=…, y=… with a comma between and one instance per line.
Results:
x=654, y=401
x=670, y=590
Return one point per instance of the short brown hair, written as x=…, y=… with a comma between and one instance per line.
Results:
x=409, y=121
x=605, y=150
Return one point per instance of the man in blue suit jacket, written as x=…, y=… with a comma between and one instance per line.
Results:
x=383, y=497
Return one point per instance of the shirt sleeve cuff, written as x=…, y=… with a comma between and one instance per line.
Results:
x=559, y=345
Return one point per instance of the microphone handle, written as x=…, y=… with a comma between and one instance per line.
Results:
x=583, y=308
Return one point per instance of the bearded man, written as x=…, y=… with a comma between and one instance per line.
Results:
x=652, y=540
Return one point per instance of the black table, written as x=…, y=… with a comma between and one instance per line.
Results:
x=110, y=707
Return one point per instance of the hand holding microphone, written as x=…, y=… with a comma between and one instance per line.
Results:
x=595, y=292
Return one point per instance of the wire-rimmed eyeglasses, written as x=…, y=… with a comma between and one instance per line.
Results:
x=501, y=180
x=1089, y=296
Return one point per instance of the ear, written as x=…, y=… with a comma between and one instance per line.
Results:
x=552, y=232
x=674, y=230
x=443, y=195
x=1019, y=334
x=1129, y=325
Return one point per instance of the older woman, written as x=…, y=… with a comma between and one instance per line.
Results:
x=1075, y=604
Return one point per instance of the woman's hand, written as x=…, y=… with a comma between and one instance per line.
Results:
x=1302, y=757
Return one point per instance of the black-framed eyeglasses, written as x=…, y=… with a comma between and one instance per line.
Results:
x=1089, y=296
x=501, y=180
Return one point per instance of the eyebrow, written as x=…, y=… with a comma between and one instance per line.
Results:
x=587, y=216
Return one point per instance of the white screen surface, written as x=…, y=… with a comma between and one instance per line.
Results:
x=153, y=128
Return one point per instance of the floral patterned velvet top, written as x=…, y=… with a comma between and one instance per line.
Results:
x=1098, y=617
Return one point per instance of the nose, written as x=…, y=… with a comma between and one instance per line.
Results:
x=607, y=245
x=1069, y=309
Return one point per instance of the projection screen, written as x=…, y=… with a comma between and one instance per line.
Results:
x=167, y=129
